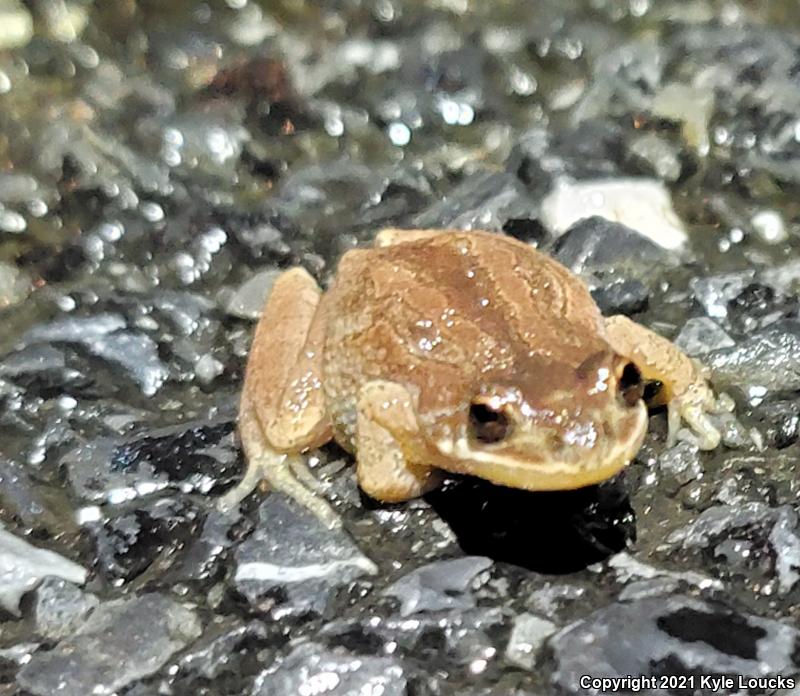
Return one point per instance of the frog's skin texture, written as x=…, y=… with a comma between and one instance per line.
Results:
x=464, y=352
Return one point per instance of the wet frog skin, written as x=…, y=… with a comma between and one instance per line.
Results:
x=448, y=351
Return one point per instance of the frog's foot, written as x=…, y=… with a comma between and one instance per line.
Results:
x=385, y=419
x=685, y=388
x=285, y=473
x=692, y=407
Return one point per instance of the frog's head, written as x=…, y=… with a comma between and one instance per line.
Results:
x=557, y=428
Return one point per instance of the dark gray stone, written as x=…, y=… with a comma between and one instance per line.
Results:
x=782, y=423
x=768, y=359
x=596, y=245
x=483, y=201
x=312, y=669
x=104, y=335
x=624, y=296
x=439, y=585
x=122, y=641
x=291, y=554
x=60, y=608
x=196, y=455
x=776, y=527
x=671, y=635
x=701, y=335
x=215, y=652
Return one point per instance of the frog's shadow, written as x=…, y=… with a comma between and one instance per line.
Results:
x=554, y=532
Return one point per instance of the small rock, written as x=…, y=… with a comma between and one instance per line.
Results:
x=122, y=641
x=127, y=544
x=776, y=526
x=291, y=555
x=20, y=494
x=527, y=637
x=641, y=204
x=104, y=335
x=625, y=296
x=196, y=455
x=60, y=608
x=670, y=635
x=439, y=585
x=33, y=359
x=312, y=669
x=208, y=368
x=248, y=300
x=782, y=420
x=681, y=463
x=214, y=653
x=766, y=361
x=784, y=278
x=701, y=335
x=65, y=21
x=588, y=151
x=757, y=306
x=596, y=244
x=660, y=156
x=14, y=284
x=714, y=292
x=483, y=201
x=627, y=568
x=23, y=566
x=692, y=107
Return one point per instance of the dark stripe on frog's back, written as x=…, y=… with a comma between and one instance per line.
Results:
x=562, y=317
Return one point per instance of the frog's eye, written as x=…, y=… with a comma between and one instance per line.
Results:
x=487, y=425
x=631, y=386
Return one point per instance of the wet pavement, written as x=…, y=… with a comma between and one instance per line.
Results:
x=159, y=165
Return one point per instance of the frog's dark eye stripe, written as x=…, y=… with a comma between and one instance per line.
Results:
x=631, y=386
x=487, y=425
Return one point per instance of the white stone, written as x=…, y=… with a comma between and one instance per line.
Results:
x=22, y=566
x=641, y=204
x=526, y=639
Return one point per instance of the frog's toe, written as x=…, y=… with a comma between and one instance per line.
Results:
x=230, y=501
x=704, y=433
x=708, y=437
x=287, y=474
x=724, y=403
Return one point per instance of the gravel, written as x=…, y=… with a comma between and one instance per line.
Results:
x=160, y=168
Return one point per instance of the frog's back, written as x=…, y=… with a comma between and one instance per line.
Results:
x=435, y=314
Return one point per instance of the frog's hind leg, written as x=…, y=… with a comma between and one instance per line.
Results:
x=282, y=411
x=390, y=236
x=280, y=471
x=386, y=419
x=686, y=391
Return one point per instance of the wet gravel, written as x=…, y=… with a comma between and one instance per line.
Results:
x=160, y=164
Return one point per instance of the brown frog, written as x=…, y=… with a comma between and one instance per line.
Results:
x=447, y=351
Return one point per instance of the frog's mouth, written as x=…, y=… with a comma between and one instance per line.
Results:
x=528, y=463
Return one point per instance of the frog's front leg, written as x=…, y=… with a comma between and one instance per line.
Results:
x=282, y=411
x=386, y=420
x=685, y=390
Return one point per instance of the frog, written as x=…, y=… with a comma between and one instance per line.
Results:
x=437, y=352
